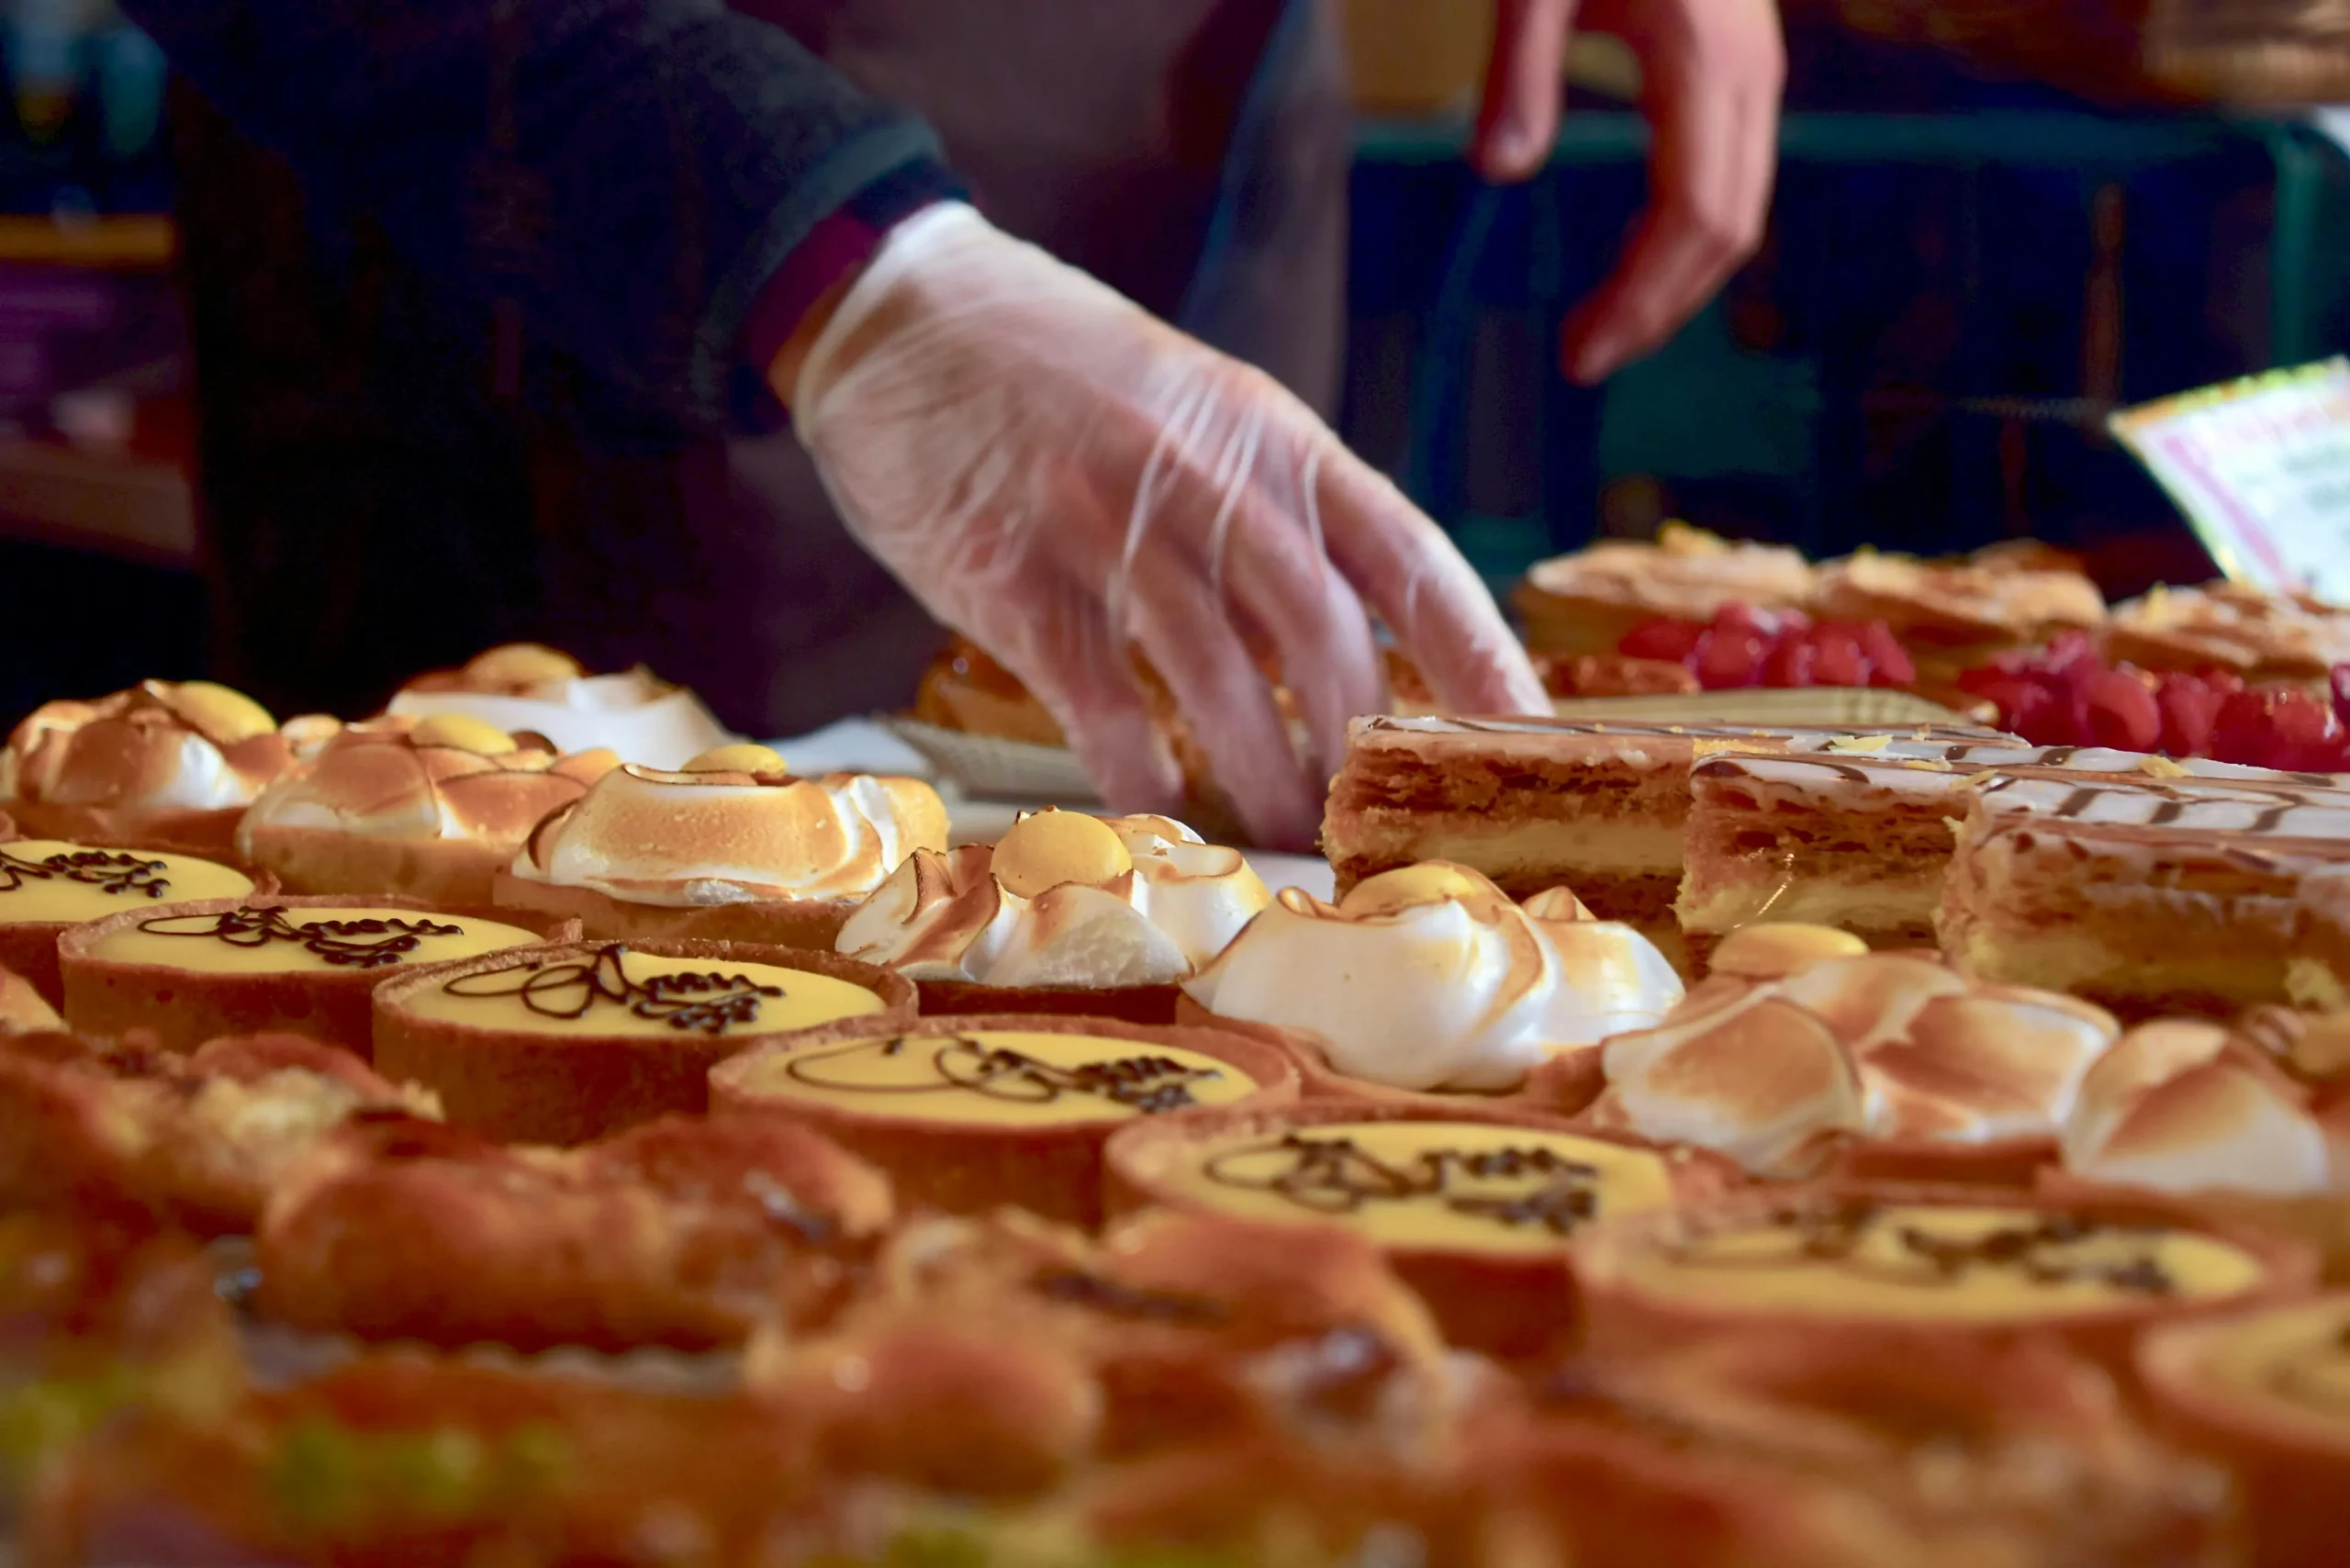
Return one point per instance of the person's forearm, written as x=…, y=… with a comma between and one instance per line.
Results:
x=653, y=163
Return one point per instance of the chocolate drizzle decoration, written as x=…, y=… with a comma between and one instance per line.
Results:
x=2040, y=1251
x=370, y=944
x=1338, y=1176
x=1150, y=1084
x=709, y=1002
x=111, y=871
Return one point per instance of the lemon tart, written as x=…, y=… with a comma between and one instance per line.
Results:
x=2265, y=1392
x=970, y=1113
x=1857, y=1260
x=298, y=965
x=47, y=884
x=563, y=1043
x=1474, y=1207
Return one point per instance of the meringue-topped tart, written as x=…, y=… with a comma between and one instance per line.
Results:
x=1489, y=1186
x=570, y=1041
x=618, y=990
x=972, y=1112
x=48, y=882
x=1011, y=1075
x=271, y=938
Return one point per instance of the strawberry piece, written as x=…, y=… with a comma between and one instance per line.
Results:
x=2120, y=711
x=1836, y=655
x=2190, y=712
x=1890, y=662
x=1729, y=660
x=1788, y=664
x=1674, y=642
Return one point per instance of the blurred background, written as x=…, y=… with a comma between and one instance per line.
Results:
x=1997, y=221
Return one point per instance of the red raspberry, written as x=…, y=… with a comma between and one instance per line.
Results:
x=2044, y=716
x=2339, y=687
x=1890, y=662
x=2067, y=652
x=1729, y=660
x=2191, y=711
x=2303, y=734
x=1788, y=664
x=1836, y=655
x=2226, y=682
x=1674, y=642
x=1737, y=616
x=2241, y=733
x=2120, y=711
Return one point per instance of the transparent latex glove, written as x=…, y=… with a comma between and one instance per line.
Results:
x=1061, y=477
x=1713, y=73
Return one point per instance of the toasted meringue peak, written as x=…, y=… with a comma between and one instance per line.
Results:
x=2180, y=1106
x=1152, y=913
x=1762, y=1080
x=1929, y=1056
x=462, y=732
x=221, y=714
x=1046, y=849
x=1429, y=978
x=193, y=746
x=430, y=778
x=1776, y=948
x=518, y=667
x=685, y=840
x=1558, y=904
x=745, y=757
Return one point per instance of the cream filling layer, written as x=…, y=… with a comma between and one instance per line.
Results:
x=1625, y=846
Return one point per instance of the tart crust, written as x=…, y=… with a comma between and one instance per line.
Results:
x=810, y=923
x=523, y=1086
x=1517, y=1304
x=1150, y=1004
x=185, y=1007
x=971, y=1166
x=1629, y=1320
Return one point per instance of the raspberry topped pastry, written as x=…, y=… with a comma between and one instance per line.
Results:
x=1430, y=979
x=1585, y=602
x=430, y=807
x=2259, y=636
x=165, y=765
x=1951, y=616
x=524, y=688
x=733, y=846
x=1069, y=913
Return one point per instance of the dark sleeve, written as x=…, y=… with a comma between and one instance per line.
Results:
x=630, y=174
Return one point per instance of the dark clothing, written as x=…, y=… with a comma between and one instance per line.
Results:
x=392, y=476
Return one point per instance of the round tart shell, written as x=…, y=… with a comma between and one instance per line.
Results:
x=1563, y=1086
x=186, y=1007
x=1513, y=1305
x=1152, y=1004
x=2290, y=1472
x=446, y=873
x=207, y=835
x=971, y=1167
x=1626, y=1320
x=521, y=1086
x=2012, y=1162
x=809, y=923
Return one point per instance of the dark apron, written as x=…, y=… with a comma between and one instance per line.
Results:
x=373, y=503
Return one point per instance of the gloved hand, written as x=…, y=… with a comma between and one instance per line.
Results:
x=1713, y=70
x=1061, y=477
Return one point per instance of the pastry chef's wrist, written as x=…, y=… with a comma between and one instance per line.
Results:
x=799, y=297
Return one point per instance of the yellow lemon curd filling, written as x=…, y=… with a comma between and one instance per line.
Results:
x=338, y=939
x=618, y=991
x=1005, y=1076
x=46, y=881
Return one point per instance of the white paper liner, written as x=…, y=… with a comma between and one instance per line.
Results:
x=278, y=1355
